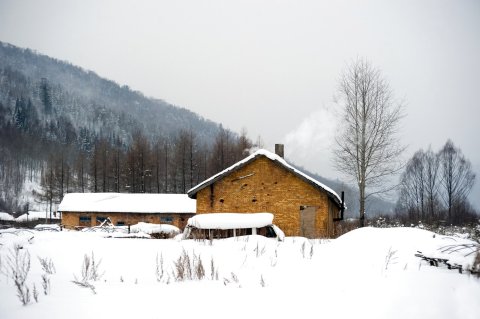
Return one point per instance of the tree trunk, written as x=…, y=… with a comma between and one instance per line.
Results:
x=362, y=205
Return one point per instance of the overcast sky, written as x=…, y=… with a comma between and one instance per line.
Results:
x=272, y=66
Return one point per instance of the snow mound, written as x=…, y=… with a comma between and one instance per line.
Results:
x=149, y=228
x=403, y=243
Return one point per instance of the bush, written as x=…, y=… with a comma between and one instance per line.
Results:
x=17, y=267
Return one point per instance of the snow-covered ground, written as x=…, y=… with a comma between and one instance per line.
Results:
x=367, y=273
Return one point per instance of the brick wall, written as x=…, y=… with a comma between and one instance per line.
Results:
x=72, y=219
x=264, y=186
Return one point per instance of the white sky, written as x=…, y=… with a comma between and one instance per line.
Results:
x=273, y=66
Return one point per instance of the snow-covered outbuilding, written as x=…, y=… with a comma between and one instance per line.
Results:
x=265, y=182
x=34, y=216
x=6, y=217
x=91, y=209
x=223, y=225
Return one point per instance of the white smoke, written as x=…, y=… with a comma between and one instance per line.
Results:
x=310, y=144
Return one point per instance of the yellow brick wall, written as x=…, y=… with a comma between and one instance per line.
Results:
x=72, y=219
x=263, y=186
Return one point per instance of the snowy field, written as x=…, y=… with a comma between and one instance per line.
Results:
x=367, y=273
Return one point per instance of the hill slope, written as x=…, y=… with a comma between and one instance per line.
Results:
x=66, y=93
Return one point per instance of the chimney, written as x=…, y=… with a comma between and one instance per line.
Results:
x=279, y=150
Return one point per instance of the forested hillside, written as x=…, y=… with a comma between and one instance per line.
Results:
x=67, y=129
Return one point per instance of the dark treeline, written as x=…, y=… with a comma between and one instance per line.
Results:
x=164, y=165
x=435, y=186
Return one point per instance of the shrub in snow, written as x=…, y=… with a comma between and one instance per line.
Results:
x=390, y=258
x=159, y=272
x=45, y=284
x=213, y=271
x=89, y=272
x=16, y=267
x=49, y=269
x=47, y=265
x=262, y=282
x=35, y=293
x=190, y=268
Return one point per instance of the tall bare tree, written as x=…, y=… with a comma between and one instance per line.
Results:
x=368, y=148
x=412, y=183
x=419, y=186
x=457, y=177
x=431, y=167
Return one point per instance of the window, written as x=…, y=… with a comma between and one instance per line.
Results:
x=85, y=220
x=166, y=219
x=101, y=219
x=120, y=223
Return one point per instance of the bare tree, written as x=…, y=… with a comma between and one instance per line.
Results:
x=431, y=167
x=81, y=171
x=157, y=159
x=412, y=183
x=457, y=177
x=219, y=150
x=138, y=164
x=368, y=148
x=243, y=145
x=116, y=161
x=419, y=186
x=48, y=191
x=94, y=169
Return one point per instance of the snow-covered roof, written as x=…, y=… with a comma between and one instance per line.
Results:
x=32, y=215
x=272, y=156
x=6, y=216
x=127, y=203
x=230, y=220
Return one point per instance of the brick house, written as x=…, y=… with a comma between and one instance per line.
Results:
x=265, y=182
x=91, y=209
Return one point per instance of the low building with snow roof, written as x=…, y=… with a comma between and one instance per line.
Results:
x=91, y=209
x=265, y=182
x=6, y=217
x=32, y=216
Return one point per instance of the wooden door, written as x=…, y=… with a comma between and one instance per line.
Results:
x=307, y=221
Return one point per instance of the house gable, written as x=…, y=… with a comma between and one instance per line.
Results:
x=192, y=193
x=261, y=184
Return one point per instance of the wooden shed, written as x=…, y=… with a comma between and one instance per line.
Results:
x=91, y=209
x=265, y=182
